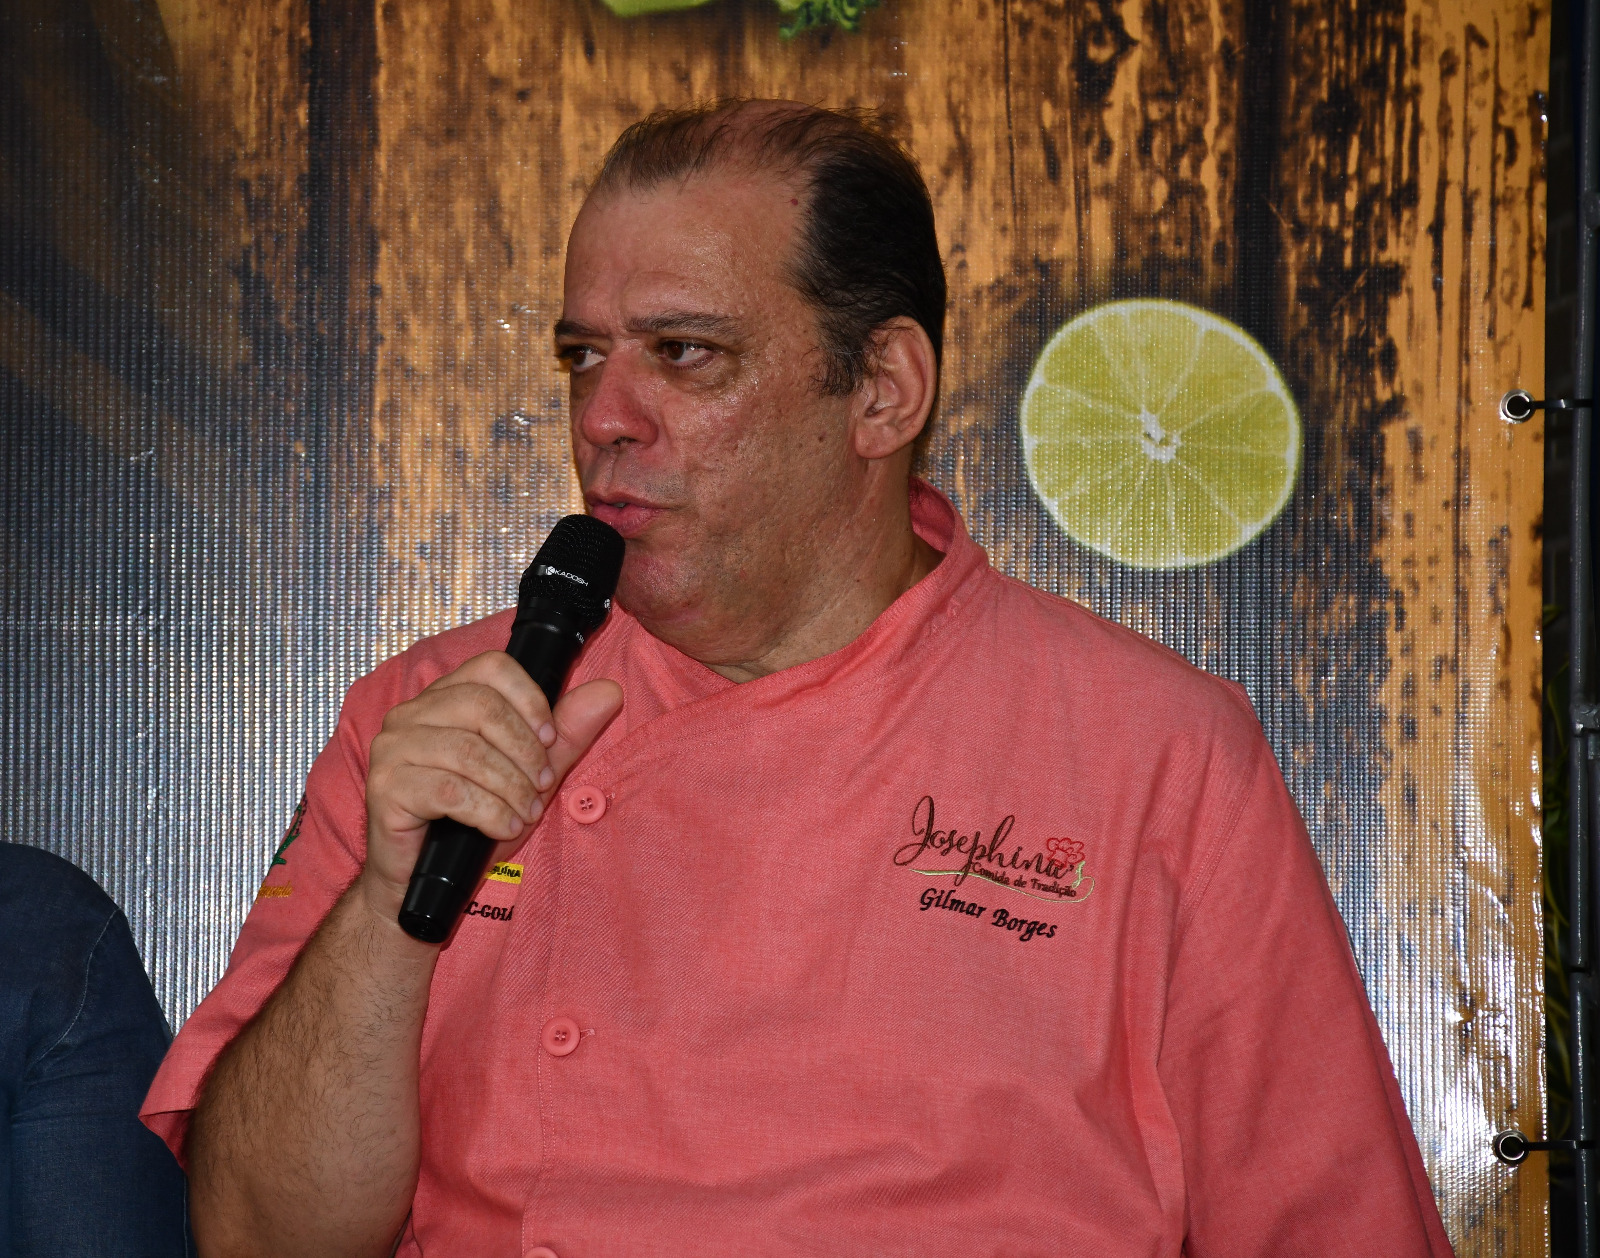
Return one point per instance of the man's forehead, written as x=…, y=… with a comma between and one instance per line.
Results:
x=697, y=206
x=693, y=255
x=616, y=291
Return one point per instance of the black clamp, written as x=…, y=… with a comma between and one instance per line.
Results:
x=1518, y=405
x=1512, y=1147
x=1586, y=727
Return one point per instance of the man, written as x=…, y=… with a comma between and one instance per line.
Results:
x=854, y=900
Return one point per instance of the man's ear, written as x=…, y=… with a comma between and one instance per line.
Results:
x=897, y=395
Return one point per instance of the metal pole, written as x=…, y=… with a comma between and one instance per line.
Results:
x=1581, y=960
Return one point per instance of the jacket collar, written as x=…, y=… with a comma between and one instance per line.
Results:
x=896, y=633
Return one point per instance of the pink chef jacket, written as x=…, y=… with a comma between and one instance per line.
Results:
x=995, y=932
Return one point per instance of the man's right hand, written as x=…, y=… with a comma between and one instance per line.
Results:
x=480, y=745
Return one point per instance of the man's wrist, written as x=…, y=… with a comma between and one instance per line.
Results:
x=379, y=900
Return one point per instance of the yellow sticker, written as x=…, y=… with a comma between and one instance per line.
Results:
x=504, y=872
x=275, y=893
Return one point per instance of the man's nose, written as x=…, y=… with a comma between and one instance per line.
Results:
x=617, y=409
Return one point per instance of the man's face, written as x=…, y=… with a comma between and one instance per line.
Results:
x=697, y=426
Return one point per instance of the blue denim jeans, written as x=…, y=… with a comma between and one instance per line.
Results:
x=81, y=1035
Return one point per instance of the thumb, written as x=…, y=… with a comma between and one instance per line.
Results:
x=579, y=717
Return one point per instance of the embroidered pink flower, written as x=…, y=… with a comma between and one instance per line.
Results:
x=1068, y=852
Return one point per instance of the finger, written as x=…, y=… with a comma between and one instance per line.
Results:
x=582, y=714
x=466, y=754
x=423, y=793
x=500, y=672
x=482, y=709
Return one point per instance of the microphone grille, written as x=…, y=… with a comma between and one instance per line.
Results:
x=578, y=564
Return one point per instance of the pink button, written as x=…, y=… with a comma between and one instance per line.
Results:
x=541, y=1251
x=560, y=1036
x=587, y=804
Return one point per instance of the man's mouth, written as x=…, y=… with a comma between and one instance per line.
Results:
x=628, y=517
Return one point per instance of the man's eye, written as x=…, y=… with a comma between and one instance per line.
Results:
x=579, y=357
x=685, y=353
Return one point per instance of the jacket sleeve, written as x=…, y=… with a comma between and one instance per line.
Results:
x=1295, y=1137
x=319, y=855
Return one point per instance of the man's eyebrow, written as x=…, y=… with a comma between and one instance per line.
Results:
x=693, y=322
x=686, y=322
x=571, y=327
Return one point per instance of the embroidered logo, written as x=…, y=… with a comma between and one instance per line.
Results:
x=1051, y=869
x=1067, y=852
x=504, y=871
x=292, y=834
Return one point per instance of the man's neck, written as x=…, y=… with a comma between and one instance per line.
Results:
x=880, y=577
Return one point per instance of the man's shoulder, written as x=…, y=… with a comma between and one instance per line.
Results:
x=1058, y=644
x=38, y=887
x=413, y=670
x=52, y=918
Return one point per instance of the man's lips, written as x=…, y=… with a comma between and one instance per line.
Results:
x=627, y=517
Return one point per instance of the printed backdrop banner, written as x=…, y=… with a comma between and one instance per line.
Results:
x=1235, y=288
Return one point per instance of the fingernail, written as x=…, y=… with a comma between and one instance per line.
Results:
x=547, y=776
x=536, y=811
x=547, y=734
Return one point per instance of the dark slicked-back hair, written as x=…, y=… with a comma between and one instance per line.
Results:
x=866, y=250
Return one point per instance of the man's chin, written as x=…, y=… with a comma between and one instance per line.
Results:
x=653, y=593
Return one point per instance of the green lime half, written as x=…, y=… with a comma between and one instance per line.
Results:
x=1159, y=434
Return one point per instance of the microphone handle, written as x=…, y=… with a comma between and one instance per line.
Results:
x=545, y=640
x=446, y=874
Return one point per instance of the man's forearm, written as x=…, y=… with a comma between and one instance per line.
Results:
x=305, y=1139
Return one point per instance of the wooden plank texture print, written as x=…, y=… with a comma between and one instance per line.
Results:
x=276, y=294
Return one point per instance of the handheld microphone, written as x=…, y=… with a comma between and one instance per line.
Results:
x=564, y=597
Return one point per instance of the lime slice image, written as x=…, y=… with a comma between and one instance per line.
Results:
x=1159, y=434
